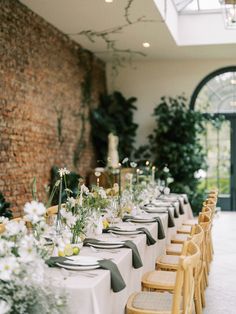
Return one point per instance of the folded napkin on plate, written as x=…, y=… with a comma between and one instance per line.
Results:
x=160, y=229
x=117, y=281
x=136, y=259
x=171, y=221
x=53, y=260
x=150, y=240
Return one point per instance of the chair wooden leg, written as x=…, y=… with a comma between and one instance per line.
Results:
x=203, y=299
x=197, y=299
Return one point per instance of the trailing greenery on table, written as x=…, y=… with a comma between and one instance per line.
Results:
x=114, y=114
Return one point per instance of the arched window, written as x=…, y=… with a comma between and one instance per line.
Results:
x=216, y=94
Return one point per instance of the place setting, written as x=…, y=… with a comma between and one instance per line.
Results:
x=85, y=263
x=143, y=219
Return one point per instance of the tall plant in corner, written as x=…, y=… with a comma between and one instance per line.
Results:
x=114, y=114
x=176, y=143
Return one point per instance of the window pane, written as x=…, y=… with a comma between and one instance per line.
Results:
x=217, y=145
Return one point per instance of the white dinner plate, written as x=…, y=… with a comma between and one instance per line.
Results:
x=109, y=241
x=81, y=260
x=71, y=267
x=126, y=232
x=105, y=246
x=142, y=220
x=156, y=210
x=161, y=203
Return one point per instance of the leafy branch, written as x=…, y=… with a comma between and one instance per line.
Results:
x=119, y=56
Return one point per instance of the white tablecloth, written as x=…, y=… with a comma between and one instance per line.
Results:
x=93, y=295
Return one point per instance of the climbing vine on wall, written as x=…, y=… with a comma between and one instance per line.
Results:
x=86, y=61
x=119, y=56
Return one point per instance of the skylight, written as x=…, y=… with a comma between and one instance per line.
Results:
x=185, y=6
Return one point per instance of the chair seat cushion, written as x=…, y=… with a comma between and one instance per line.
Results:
x=169, y=259
x=153, y=301
x=190, y=222
x=160, y=279
x=180, y=237
x=185, y=229
x=174, y=248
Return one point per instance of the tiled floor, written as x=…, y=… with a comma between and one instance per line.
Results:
x=221, y=293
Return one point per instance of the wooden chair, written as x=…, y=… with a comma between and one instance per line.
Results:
x=2, y=228
x=181, y=301
x=161, y=280
x=170, y=262
x=205, y=223
x=176, y=246
x=52, y=211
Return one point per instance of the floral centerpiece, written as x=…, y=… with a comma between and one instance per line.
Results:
x=23, y=286
x=79, y=213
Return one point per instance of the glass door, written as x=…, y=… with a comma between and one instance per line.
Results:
x=233, y=164
x=220, y=145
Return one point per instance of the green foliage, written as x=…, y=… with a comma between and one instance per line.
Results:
x=72, y=181
x=175, y=143
x=114, y=114
x=4, y=207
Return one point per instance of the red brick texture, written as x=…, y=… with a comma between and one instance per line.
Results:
x=41, y=102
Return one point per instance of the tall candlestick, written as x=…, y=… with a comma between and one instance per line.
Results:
x=153, y=173
x=137, y=176
x=81, y=195
x=131, y=181
x=58, y=222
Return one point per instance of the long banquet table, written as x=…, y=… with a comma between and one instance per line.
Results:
x=90, y=292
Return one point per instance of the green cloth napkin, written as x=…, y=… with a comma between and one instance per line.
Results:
x=176, y=214
x=117, y=281
x=149, y=239
x=136, y=259
x=53, y=260
x=171, y=220
x=181, y=207
x=160, y=229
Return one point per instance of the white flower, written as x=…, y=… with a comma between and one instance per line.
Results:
x=102, y=193
x=64, y=239
x=13, y=227
x=3, y=220
x=42, y=227
x=125, y=160
x=84, y=189
x=27, y=249
x=8, y=266
x=5, y=247
x=71, y=201
x=34, y=211
x=69, y=217
x=133, y=164
x=4, y=307
x=63, y=171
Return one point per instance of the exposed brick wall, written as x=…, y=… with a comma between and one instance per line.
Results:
x=41, y=72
